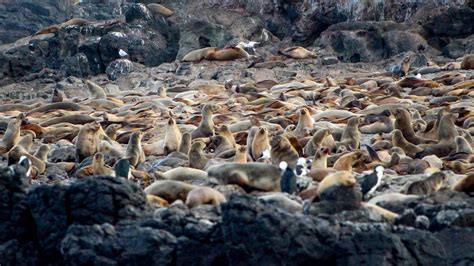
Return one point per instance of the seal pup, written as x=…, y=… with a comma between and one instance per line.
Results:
x=260, y=143
x=288, y=179
x=240, y=154
x=172, y=136
x=204, y=195
x=427, y=185
x=370, y=182
x=282, y=150
x=206, y=126
x=99, y=167
x=134, y=152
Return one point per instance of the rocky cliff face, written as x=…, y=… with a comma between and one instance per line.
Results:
x=353, y=31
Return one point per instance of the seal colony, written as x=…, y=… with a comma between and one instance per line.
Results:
x=292, y=142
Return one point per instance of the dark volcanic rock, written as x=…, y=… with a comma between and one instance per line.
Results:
x=48, y=207
x=98, y=200
x=15, y=219
x=123, y=245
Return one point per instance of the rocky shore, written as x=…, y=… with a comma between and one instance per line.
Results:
x=135, y=56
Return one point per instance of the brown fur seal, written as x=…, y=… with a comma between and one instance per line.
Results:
x=346, y=161
x=282, y=201
x=225, y=54
x=55, y=106
x=224, y=131
x=405, y=65
x=185, y=174
x=111, y=131
x=297, y=52
x=462, y=145
x=260, y=143
x=259, y=176
x=11, y=136
x=240, y=155
x=95, y=91
x=428, y=185
x=466, y=184
x=206, y=126
x=404, y=123
x=351, y=134
x=170, y=190
x=99, y=167
x=316, y=141
x=58, y=96
x=87, y=142
x=341, y=178
x=197, y=158
x=77, y=119
x=220, y=144
x=204, y=195
x=185, y=143
x=399, y=141
x=305, y=121
x=199, y=54
x=468, y=62
x=155, y=200
x=134, y=152
x=157, y=9
x=282, y=150
x=172, y=137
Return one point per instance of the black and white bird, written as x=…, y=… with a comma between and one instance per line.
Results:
x=302, y=167
x=25, y=164
x=370, y=182
x=288, y=178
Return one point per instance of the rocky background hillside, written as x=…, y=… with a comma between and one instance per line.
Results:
x=106, y=221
